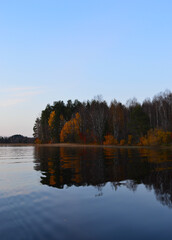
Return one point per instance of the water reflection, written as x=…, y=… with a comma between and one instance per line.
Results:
x=97, y=166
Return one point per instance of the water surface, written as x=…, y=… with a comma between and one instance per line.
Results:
x=85, y=193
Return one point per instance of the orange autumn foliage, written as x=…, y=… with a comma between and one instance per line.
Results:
x=110, y=140
x=51, y=119
x=37, y=141
x=122, y=142
x=71, y=130
x=130, y=138
x=156, y=137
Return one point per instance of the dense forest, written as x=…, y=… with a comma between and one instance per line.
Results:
x=149, y=123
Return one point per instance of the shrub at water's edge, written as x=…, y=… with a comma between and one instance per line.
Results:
x=156, y=137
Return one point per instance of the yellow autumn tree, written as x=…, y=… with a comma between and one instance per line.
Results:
x=71, y=130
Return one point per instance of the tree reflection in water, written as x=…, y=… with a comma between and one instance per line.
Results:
x=97, y=166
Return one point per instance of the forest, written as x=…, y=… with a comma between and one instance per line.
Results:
x=96, y=122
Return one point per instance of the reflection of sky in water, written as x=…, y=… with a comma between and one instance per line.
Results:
x=125, y=209
x=16, y=171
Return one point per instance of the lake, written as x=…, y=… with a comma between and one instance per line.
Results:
x=85, y=193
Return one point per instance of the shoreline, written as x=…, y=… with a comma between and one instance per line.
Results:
x=16, y=144
x=77, y=145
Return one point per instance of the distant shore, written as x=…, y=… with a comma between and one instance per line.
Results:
x=81, y=145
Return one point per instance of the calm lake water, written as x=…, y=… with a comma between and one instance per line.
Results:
x=85, y=193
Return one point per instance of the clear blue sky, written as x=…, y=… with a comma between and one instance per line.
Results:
x=58, y=50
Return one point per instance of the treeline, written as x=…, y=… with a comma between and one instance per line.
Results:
x=16, y=139
x=95, y=121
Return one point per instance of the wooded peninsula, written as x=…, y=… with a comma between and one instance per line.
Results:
x=96, y=122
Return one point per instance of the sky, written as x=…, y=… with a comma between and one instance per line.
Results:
x=54, y=50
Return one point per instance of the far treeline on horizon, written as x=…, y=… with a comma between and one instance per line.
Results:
x=96, y=122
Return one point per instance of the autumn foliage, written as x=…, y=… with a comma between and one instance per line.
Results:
x=71, y=130
x=156, y=137
x=51, y=119
x=130, y=138
x=37, y=141
x=110, y=140
x=122, y=142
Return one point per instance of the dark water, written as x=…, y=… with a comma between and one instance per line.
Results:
x=85, y=193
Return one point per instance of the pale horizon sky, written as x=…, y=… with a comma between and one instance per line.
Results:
x=54, y=50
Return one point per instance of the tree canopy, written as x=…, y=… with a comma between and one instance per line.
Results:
x=97, y=122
